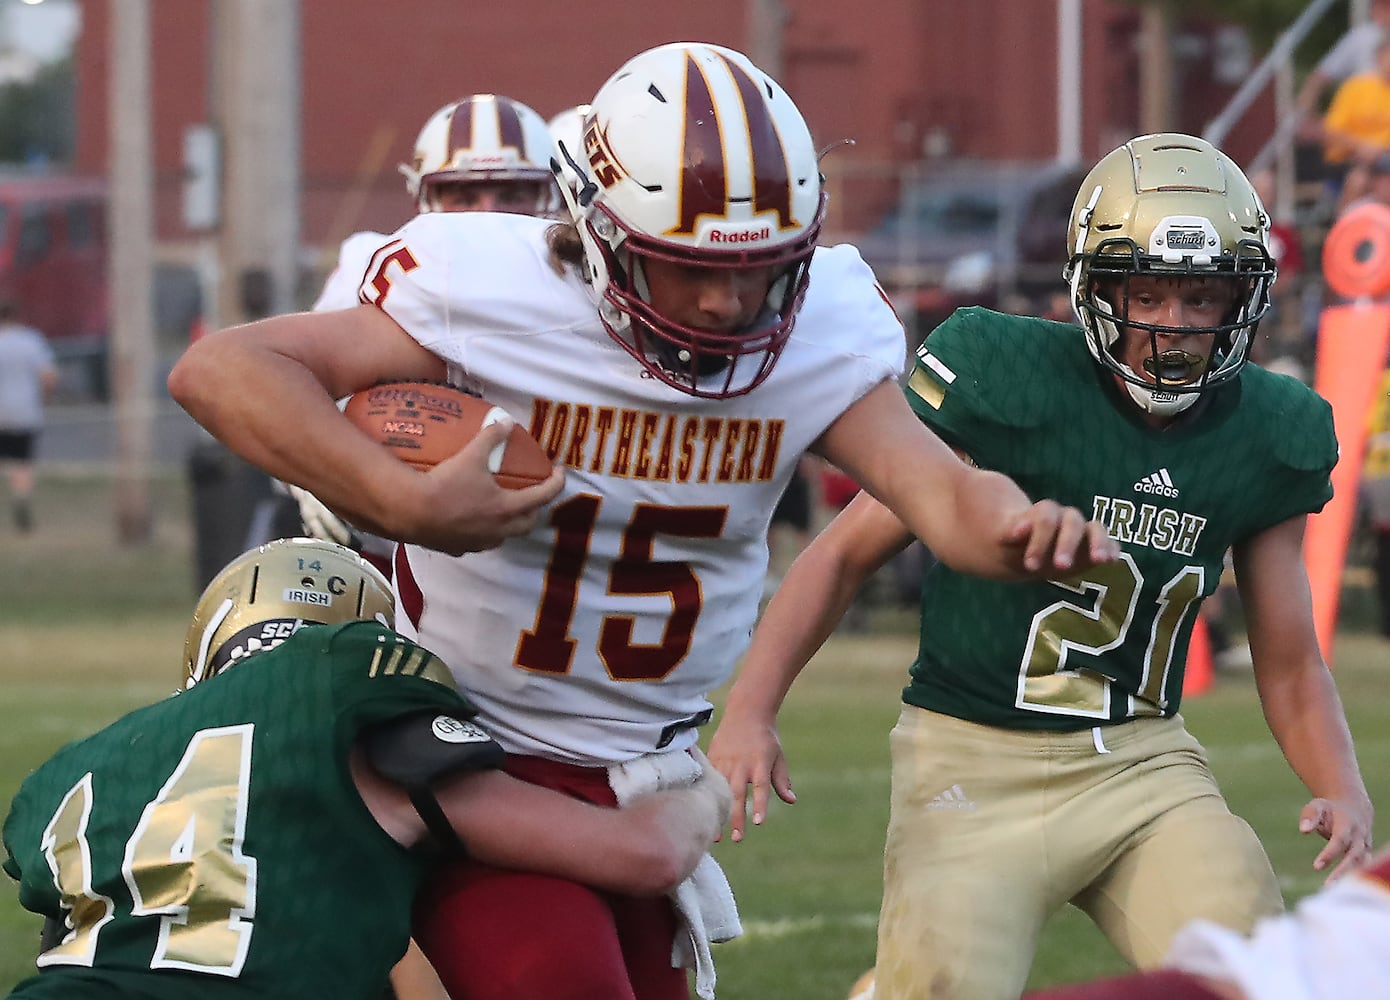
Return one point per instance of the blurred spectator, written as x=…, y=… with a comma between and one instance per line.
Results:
x=1058, y=307
x=1284, y=328
x=28, y=375
x=1373, y=184
x=1354, y=53
x=1285, y=245
x=1356, y=128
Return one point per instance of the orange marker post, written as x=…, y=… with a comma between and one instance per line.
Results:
x=1353, y=339
x=1200, y=673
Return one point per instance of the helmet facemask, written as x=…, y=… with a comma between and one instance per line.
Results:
x=1171, y=378
x=699, y=362
x=1168, y=206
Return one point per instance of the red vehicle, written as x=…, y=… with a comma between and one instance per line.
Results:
x=53, y=261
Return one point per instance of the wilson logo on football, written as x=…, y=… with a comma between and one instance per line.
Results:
x=411, y=399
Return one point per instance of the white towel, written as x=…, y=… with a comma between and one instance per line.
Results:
x=704, y=901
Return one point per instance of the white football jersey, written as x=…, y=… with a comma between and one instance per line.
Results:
x=597, y=637
x=340, y=290
x=1335, y=944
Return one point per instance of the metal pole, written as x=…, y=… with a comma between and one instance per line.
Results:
x=258, y=96
x=131, y=266
x=766, y=21
x=1156, y=68
x=1069, y=92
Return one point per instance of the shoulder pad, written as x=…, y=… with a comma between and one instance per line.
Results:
x=981, y=369
x=381, y=652
x=1296, y=419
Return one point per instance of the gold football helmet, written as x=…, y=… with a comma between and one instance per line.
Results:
x=263, y=596
x=1168, y=205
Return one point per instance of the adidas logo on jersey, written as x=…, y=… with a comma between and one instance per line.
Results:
x=1158, y=483
x=952, y=798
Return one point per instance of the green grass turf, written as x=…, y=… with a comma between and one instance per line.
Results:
x=89, y=629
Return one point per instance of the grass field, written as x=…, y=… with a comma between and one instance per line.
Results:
x=90, y=630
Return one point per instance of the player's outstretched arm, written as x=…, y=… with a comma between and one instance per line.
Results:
x=810, y=601
x=1299, y=696
x=973, y=521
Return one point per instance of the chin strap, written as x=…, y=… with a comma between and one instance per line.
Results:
x=1160, y=403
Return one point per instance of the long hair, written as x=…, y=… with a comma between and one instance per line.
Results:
x=565, y=248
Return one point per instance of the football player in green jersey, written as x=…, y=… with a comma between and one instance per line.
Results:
x=262, y=833
x=1040, y=758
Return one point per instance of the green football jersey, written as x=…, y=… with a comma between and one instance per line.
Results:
x=214, y=844
x=1024, y=397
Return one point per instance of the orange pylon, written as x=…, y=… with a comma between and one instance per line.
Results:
x=1200, y=674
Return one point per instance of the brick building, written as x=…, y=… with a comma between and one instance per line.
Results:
x=902, y=78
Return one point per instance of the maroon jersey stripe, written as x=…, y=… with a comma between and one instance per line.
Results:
x=412, y=597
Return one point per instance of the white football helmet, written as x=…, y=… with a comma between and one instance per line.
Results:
x=264, y=596
x=1169, y=205
x=484, y=137
x=693, y=155
x=567, y=132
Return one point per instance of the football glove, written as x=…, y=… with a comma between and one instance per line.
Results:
x=320, y=522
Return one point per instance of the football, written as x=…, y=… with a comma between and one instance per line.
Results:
x=423, y=423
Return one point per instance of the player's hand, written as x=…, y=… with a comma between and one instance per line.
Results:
x=1055, y=539
x=1346, y=826
x=319, y=521
x=464, y=509
x=749, y=752
x=712, y=781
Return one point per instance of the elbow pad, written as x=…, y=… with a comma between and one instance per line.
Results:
x=418, y=750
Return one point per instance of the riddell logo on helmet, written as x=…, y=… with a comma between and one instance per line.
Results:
x=745, y=236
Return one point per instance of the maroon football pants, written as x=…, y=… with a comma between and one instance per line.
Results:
x=496, y=934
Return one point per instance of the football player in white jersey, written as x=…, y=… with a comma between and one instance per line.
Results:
x=1334, y=944
x=567, y=132
x=483, y=153
x=676, y=348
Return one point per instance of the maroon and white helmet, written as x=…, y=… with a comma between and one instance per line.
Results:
x=567, y=132
x=696, y=156
x=484, y=137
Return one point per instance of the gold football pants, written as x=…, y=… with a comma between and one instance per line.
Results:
x=993, y=830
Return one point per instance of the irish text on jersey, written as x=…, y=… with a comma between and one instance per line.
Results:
x=1149, y=524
